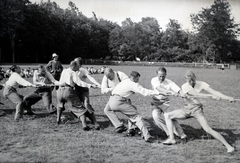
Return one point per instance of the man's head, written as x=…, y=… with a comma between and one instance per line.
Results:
x=190, y=78
x=15, y=68
x=134, y=76
x=109, y=73
x=161, y=73
x=74, y=66
x=41, y=69
x=79, y=61
x=55, y=56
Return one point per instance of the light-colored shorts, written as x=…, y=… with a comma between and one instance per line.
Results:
x=192, y=110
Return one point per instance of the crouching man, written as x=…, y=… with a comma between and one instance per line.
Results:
x=119, y=102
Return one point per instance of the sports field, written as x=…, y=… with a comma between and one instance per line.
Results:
x=38, y=138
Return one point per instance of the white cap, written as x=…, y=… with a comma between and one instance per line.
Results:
x=54, y=55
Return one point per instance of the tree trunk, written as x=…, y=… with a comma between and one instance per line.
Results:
x=12, y=41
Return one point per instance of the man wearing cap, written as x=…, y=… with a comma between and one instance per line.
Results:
x=55, y=67
x=193, y=108
x=160, y=103
x=119, y=102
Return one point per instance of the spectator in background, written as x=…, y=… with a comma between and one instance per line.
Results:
x=55, y=67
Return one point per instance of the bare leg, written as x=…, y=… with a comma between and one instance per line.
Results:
x=176, y=114
x=59, y=113
x=84, y=123
x=203, y=122
x=92, y=117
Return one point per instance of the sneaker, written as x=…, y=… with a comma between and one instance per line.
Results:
x=29, y=113
x=169, y=142
x=97, y=127
x=231, y=150
x=131, y=132
x=87, y=128
x=121, y=129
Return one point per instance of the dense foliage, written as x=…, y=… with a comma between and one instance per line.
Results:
x=32, y=32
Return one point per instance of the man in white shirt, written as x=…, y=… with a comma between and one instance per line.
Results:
x=110, y=80
x=160, y=103
x=83, y=92
x=119, y=102
x=43, y=79
x=10, y=90
x=193, y=108
x=67, y=95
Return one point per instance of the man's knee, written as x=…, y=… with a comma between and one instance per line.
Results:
x=156, y=113
x=166, y=115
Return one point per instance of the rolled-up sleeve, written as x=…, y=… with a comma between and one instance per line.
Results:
x=79, y=82
x=104, y=86
x=136, y=87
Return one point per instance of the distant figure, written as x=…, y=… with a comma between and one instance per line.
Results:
x=222, y=68
x=55, y=67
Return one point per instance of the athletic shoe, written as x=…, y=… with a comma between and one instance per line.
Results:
x=169, y=142
x=121, y=129
x=87, y=128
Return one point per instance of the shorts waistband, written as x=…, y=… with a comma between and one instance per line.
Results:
x=121, y=96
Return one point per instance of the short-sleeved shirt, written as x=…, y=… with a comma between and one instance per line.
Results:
x=166, y=84
x=82, y=73
x=200, y=85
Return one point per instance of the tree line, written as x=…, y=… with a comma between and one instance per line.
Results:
x=31, y=32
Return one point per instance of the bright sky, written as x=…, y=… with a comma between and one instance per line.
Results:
x=162, y=10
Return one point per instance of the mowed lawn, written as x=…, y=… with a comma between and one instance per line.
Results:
x=38, y=138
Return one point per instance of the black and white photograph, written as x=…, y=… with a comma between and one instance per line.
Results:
x=128, y=81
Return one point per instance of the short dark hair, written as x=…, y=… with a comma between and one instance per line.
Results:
x=79, y=60
x=135, y=74
x=13, y=68
x=73, y=64
x=163, y=69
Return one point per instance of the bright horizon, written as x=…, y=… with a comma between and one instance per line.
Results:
x=162, y=10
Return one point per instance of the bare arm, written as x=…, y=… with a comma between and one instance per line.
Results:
x=104, y=86
x=93, y=80
x=164, y=91
x=219, y=94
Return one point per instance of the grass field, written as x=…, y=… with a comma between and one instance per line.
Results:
x=38, y=138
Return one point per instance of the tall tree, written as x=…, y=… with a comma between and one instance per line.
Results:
x=216, y=28
x=11, y=20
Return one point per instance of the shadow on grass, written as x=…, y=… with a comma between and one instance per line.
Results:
x=194, y=134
